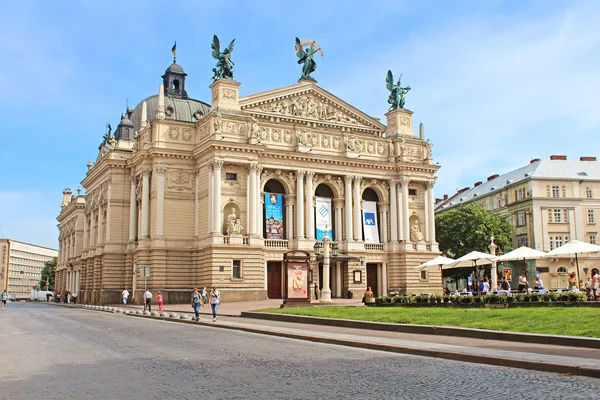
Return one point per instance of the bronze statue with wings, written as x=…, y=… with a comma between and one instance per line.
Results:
x=397, y=92
x=306, y=57
x=224, y=67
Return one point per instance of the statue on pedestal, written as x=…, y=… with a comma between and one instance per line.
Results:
x=306, y=57
x=224, y=67
x=415, y=233
x=397, y=92
x=234, y=225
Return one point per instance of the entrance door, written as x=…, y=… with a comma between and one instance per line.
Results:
x=274, y=280
x=372, y=278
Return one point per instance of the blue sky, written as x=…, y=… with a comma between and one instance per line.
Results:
x=495, y=83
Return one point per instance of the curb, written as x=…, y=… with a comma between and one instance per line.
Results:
x=484, y=334
x=479, y=359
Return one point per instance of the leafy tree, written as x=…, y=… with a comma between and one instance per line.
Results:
x=48, y=273
x=469, y=227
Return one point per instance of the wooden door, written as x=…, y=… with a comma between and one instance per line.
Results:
x=372, y=278
x=274, y=280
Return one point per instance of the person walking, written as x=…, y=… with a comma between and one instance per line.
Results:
x=159, y=298
x=204, y=296
x=595, y=283
x=124, y=296
x=215, y=300
x=523, y=284
x=196, y=303
x=148, y=300
x=4, y=297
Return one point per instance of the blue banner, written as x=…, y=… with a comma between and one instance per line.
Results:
x=274, y=216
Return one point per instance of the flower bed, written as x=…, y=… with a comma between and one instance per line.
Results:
x=521, y=299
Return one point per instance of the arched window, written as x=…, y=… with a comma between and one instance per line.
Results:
x=274, y=221
x=175, y=88
x=324, y=212
x=562, y=270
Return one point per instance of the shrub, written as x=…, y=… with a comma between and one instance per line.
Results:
x=492, y=298
x=478, y=299
x=520, y=297
x=509, y=299
x=466, y=299
x=533, y=296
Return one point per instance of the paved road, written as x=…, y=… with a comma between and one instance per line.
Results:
x=60, y=353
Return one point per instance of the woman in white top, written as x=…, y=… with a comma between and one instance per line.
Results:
x=215, y=300
x=485, y=286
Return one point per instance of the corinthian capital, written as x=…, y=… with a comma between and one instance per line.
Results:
x=160, y=170
x=404, y=181
x=310, y=174
x=393, y=183
x=253, y=167
x=217, y=164
x=300, y=173
x=348, y=179
x=146, y=172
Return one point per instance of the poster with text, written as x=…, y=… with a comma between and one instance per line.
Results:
x=297, y=280
x=323, y=208
x=370, y=222
x=274, y=216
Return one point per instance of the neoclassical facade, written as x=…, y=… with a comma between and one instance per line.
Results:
x=215, y=194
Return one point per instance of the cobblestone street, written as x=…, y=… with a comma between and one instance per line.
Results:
x=60, y=353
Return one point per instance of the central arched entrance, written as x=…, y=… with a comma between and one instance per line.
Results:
x=273, y=224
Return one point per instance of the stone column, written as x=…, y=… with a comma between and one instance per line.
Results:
x=405, y=215
x=145, y=204
x=379, y=279
x=133, y=210
x=426, y=235
x=430, y=201
x=357, y=217
x=383, y=218
x=289, y=216
x=252, y=168
x=338, y=279
x=393, y=211
x=259, y=204
x=160, y=201
x=494, y=272
x=337, y=214
x=310, y=207
x=100, y=226
x=216, y=198
x=348, y=206
x=108, y=211
x=92, y=220
x=85, y=230
x=326, y=291
x=210, y=198
x=384, y=279
x=399, y=220
x=197, y=203
x=300, y=204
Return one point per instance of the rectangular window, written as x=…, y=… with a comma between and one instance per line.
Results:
x=590, y=217
x=588, y=193
x=236, y=270
x=230, y=176
x=491, y=204
x=521, y=218
x=593, y=238
x=412, y=192
x=552, y=243
x=563, y=191
x=565, y=215
x=424, y=275
x=555, y=191
x=557, y=215
x=522, y=240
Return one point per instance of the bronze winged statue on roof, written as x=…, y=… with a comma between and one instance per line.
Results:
x=224, y=67
x=397, y=92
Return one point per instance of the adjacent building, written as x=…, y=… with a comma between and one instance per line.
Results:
x=214, y=193
x=549, y=202
x=21, y=266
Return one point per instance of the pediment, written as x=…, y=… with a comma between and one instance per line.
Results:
x=309, y=103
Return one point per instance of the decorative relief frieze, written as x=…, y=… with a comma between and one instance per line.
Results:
x=186, y=134
x=179, y=180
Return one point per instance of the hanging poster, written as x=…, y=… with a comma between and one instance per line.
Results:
x=273, y=216
x=370, y=222
x=297, y=280
x=323, y=207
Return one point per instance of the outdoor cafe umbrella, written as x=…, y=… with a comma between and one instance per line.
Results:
x=472, y=259
x=521, y=254
x=436, y=262
x=574, y=247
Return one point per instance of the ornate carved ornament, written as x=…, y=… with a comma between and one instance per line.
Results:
x=179, y=134
x=286, y=178
x=179, y=180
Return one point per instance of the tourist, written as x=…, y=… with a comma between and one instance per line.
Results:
x=485, y=286
x=215, y=300
x=316, y=291
x=124, y=296
x=48, y=295
x=538, y=284
x=505, y=285
x=148, y=299
x=196, y=303
x=595, y=283
x=572, y=281
x=204, y=296
x=367, y=295
x=74, y=297
x=159, y=298
x=523, y=284
x=4, y=297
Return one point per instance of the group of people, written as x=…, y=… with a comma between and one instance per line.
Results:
x=65, y=297
x=199, y=299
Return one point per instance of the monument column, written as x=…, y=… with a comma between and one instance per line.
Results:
x=393, y=211
x=216, y=198
x=405, y=216
x=310, y=208
x=326, y=291
x=357, y=210
x=160, y=201
x=132, y=210
x=145, y=203
x=300, y=204
x=348, y=206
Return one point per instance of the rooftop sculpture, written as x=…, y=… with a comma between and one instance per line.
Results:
x=224, y=67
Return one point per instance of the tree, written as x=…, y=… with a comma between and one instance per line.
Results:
x=469, y=227
x=48, y=273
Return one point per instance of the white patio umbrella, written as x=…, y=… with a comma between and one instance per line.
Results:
x=521, y=254
x=472, y=259
x=574, y=247
x=436, y=262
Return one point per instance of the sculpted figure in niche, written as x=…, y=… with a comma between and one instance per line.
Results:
x=217, y=122
x=403, y=147
x=429, y=146
x=253, y=128
x=234, y=226
x=391, y=144
x=415, y=233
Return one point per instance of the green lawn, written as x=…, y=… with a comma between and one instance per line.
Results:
x=576, y=321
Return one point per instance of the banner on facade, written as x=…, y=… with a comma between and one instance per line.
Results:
x=323, y=207
x=273, y=216
x=369, y=212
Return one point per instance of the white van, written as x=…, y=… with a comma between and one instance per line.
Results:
x=40, y=295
